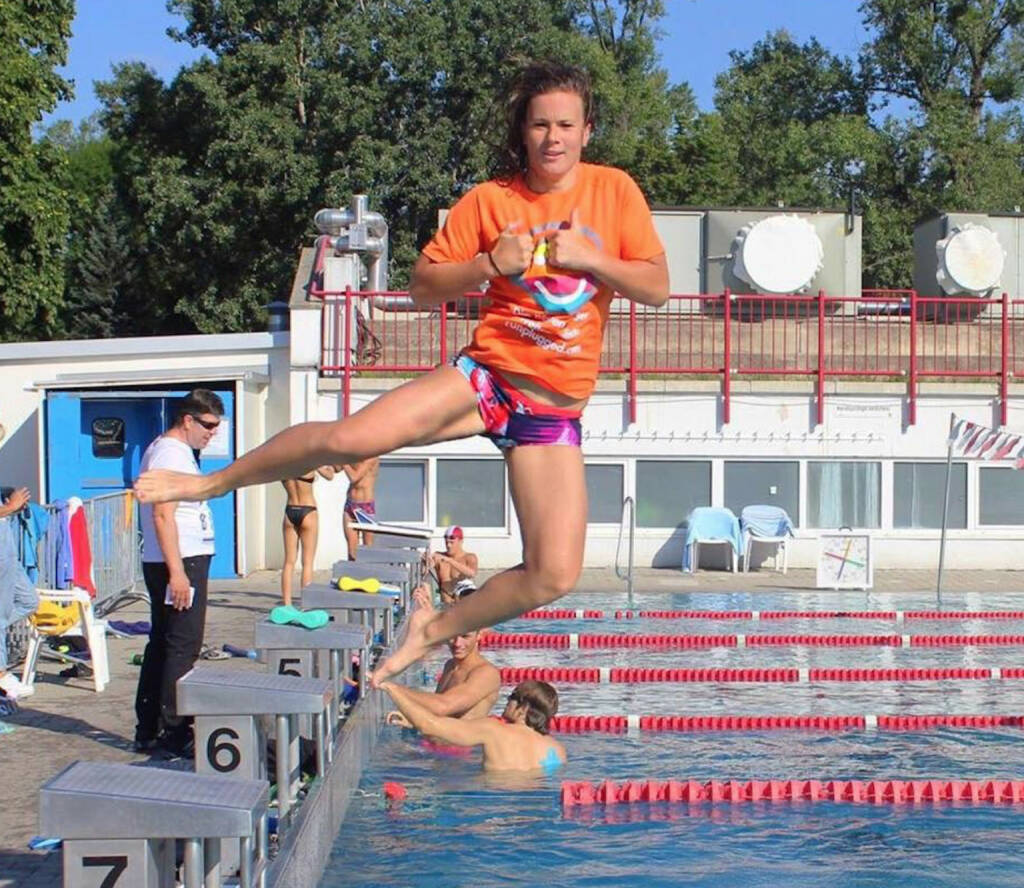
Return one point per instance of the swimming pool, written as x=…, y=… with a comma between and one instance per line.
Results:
x=460, y=827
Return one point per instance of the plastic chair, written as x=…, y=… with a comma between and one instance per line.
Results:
x=67, y=612
x=769, y=525
x=710, y=526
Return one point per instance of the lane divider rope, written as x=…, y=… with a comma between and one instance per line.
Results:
x=512, y=675
x=878, y=792
x=580, y=641
x=898, y=615
x=621, y=724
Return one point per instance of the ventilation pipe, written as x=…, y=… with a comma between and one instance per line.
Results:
x=354, y=229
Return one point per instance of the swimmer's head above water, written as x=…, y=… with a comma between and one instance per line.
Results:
x=532, y=703
x=461, y=646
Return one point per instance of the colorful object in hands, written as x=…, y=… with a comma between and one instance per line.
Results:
x=350, y=584
x=314, y=619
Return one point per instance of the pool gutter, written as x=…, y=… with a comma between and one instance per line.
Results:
x=306, y=847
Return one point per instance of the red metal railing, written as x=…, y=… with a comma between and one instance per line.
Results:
x=881, y=334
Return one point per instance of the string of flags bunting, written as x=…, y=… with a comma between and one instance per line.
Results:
x=980, y=442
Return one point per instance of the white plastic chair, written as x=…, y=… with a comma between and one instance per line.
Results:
x=770, y=513
x=711, y=526
x=67, y=612
x=732, y=551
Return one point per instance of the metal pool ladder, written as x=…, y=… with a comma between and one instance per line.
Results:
x=627, y=503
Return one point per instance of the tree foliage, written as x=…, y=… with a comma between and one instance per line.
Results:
x=183, y=206
x=33, y=206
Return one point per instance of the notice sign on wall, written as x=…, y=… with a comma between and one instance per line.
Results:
x=220, y=443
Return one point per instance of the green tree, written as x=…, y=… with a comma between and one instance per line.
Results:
x=794, y=119
x=302, y=103
x=101, y=274
x=33, y=208
x=927, y=51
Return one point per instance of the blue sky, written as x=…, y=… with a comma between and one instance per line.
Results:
x=695, y=47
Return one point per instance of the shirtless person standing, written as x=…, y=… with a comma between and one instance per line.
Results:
x=455, y=567
x=468, y=686
x=518, y=741
x=359, y=503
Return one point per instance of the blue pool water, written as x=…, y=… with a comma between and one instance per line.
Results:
x=459, y=827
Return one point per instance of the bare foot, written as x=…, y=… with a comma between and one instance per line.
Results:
x=162, y=486
x=413, y=648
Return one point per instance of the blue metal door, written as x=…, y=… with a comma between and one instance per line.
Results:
x=95, y=442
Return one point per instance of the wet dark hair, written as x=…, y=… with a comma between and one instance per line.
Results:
x=534, y=79
x=540, y=700
x=198, y=401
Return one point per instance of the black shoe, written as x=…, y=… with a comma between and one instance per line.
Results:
x=145, y=743
x=175, y=747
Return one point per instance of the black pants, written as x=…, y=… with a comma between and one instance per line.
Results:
x=175, y=640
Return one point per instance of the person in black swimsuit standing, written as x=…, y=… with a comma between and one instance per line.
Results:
x=300, y=527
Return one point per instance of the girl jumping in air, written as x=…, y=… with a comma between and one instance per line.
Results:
x=555, y=238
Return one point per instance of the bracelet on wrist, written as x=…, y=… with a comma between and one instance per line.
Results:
x=494, y=265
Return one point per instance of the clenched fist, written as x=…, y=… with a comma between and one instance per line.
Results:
x=512, y=253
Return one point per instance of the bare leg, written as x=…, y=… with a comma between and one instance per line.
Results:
x=308, y=533
x=367, y=539
x=550, y=496
x=351, y=537
x=437, y=406
x=291, y=544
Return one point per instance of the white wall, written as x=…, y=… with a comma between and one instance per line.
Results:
x=258, y=360
x=676, y=420
x=769, y=421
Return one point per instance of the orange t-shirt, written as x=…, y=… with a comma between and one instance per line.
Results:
x=547, y=323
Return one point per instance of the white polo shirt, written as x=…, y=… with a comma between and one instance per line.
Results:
x=192, y=517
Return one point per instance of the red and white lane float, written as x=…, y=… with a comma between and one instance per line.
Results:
x=696, y=724
x=581, y=641
x=898, y=615
x=877, y=792
x=512, y=675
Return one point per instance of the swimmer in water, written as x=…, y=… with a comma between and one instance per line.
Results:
x=517, y=741
x=468, y=686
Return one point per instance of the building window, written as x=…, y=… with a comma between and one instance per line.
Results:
x=843, y=494
x=1001, y=496
x=604, y=494
x=918, y=491
x=666, y=491
x=400, y=490
x=471, y=492
x=108, y=437
x=763, y=484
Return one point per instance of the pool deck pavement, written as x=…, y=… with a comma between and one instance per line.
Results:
x=65, y=720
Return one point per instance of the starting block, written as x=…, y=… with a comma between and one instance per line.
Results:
x=321, y=596
x=399, y=578
x=228, y=705
x=119, y=824
x=315, y=653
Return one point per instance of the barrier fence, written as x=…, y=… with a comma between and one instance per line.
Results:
x=887, y=335
x=115, y=545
